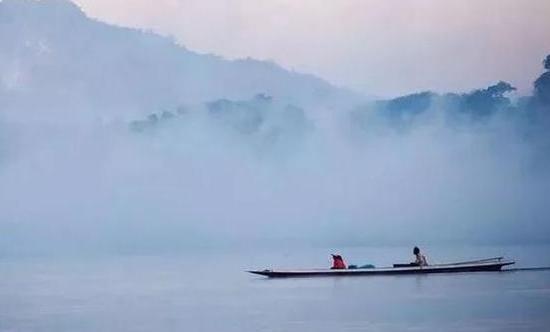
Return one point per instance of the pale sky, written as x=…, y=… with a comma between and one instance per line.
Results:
x=378, y=47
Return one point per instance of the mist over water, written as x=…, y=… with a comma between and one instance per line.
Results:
x=140, y=180
x=197, y=180
x=145, y=150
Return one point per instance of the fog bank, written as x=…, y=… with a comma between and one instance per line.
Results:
x=270, y=157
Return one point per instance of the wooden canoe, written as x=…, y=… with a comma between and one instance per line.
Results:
x=482, y=265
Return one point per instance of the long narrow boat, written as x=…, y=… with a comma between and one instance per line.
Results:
x=482, y=265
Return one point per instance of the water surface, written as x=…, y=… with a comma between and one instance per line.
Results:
x=208, y=291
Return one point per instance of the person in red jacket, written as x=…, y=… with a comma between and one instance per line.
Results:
x=338, y=263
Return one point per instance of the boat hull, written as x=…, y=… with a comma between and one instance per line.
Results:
x=443, y=268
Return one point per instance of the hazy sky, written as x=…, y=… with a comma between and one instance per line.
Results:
x=379, y=47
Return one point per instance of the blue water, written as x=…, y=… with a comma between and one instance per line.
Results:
x=208, y=291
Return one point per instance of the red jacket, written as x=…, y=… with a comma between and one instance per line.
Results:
x=338, y=262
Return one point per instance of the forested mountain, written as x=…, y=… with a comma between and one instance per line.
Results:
x=56, y=60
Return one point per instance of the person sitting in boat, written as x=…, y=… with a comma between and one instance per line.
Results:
x=338, y=263
x=420, y=259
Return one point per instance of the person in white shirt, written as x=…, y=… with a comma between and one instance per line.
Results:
x=420, y=259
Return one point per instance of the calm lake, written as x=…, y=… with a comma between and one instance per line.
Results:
x=208, y=291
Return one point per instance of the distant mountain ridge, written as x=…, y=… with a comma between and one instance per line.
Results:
x=54, y=59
